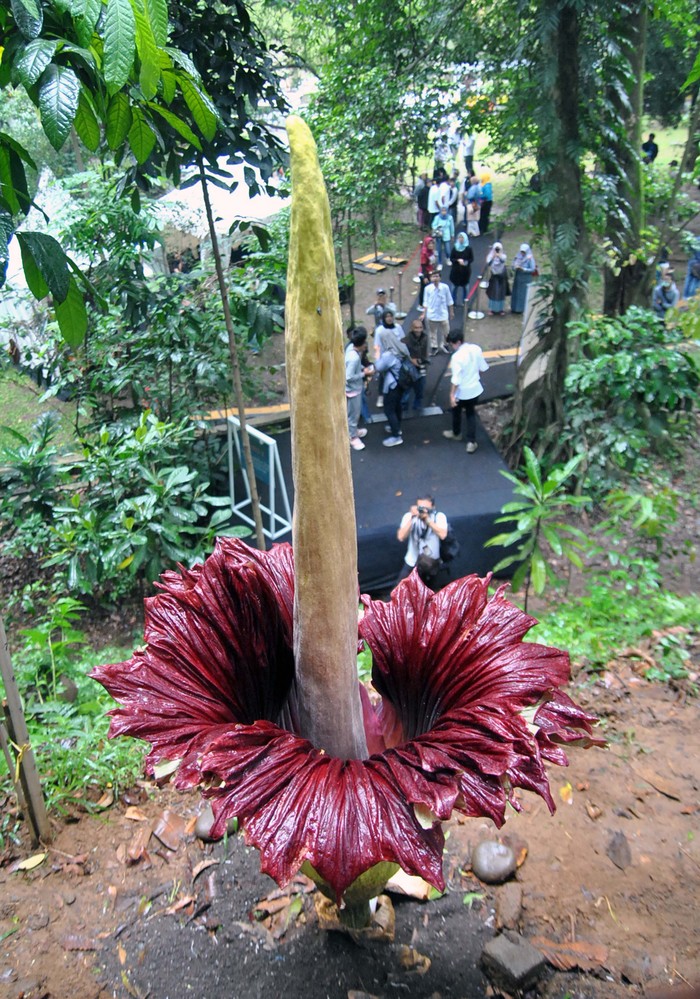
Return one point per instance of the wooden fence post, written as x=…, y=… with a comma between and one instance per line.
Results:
x=17, y=728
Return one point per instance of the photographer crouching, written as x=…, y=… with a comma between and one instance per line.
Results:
x=424, y=528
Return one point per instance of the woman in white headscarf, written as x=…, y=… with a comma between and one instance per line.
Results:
x=461, y=258
x=524, y=268
x=497, y=289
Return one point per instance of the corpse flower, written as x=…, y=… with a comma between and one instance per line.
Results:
x=247, y=681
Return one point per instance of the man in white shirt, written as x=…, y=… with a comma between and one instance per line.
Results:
x=466, y=365
x=439, y=311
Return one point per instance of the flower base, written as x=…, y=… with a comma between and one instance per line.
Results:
x=358, y=922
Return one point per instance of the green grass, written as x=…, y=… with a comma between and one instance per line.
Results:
x=21, y=405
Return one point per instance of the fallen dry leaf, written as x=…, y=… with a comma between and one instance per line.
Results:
x=30, y=863
x=135, y=814
x=411, y=960
x=574, y=954
x=137, y=847
x=202, y=866
x=182, y=903
x=408, y=884
x=121, y=954
x=566, y=793
x=170, y=828
x=618, y=850
x=106, y=801
x=269, y=906
x=593, y=811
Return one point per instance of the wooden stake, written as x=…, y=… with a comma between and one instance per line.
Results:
x=17, y=728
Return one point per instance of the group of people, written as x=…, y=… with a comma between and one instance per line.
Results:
x=666, y=294
x=442, y=205
x=400, y=361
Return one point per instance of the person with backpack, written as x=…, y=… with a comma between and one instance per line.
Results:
x=388, y=366
x=498, y=288
x=424, y=528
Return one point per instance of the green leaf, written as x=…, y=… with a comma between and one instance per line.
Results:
x=6, y=233
x=119, y=43
x=72, y=316
x=149, y=73
x=119, y=118
x=87, y=19
x=199, y=104
x=32, y=275
x=157, y=11
x=180, y=126
x=141, y=137
x=49, y=258
x=59, y=93
x=86, y=124
x=8, y=188
x=538, y=571
x=29, y=17
x=34, y=60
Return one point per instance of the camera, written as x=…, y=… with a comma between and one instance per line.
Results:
x=423, y=510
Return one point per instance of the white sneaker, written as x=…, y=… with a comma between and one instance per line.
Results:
x=471, y=447
x=392, y=441
x=451, y=436
x=380, y=402
x=361, y=433
x=356, y=444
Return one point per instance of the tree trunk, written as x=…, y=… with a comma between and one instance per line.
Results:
x=627, y=281
x=538, y=408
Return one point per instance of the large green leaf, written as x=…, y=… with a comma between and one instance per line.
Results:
x=86, y=124
x=118, y=120
x=59, y=92
x=72, y=316
x=29, y=17
x=199, y=104
x=119, y=43
x=8, y=194
x=86, y=20
x=32, y=274
x=157, y=11
x=141, y=136
x=34, y=60
x=50, y=259
x=178, y=124
x=149, y=73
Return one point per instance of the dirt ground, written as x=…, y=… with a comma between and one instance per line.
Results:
x=129, y=902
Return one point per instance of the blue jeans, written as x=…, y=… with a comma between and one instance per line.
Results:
x=444, y=249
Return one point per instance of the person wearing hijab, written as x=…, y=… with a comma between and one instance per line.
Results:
x=461, y=259
x=388, y=365
x=486, y=201
x=524, y=268
x=428, y=263
x=497, y=288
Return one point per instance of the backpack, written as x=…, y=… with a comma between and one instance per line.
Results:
x=449, y=546
x=408, y=374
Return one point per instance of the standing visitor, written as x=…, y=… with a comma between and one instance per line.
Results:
x=428, y=263
x=439, y=312
x=444, y=229
x=692, y=277
x=466, y=365
x=462, y=257
x=467, y=149
x=388, y=365
x=649, y=149
x=417, y=343
x=486, y=202
x=379, y=306
x=524, y=269
x=354, y=376
x=497, y=288
x=433, y=201
x=665, y=295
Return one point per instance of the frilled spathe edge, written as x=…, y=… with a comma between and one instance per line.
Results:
x=214, y=688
